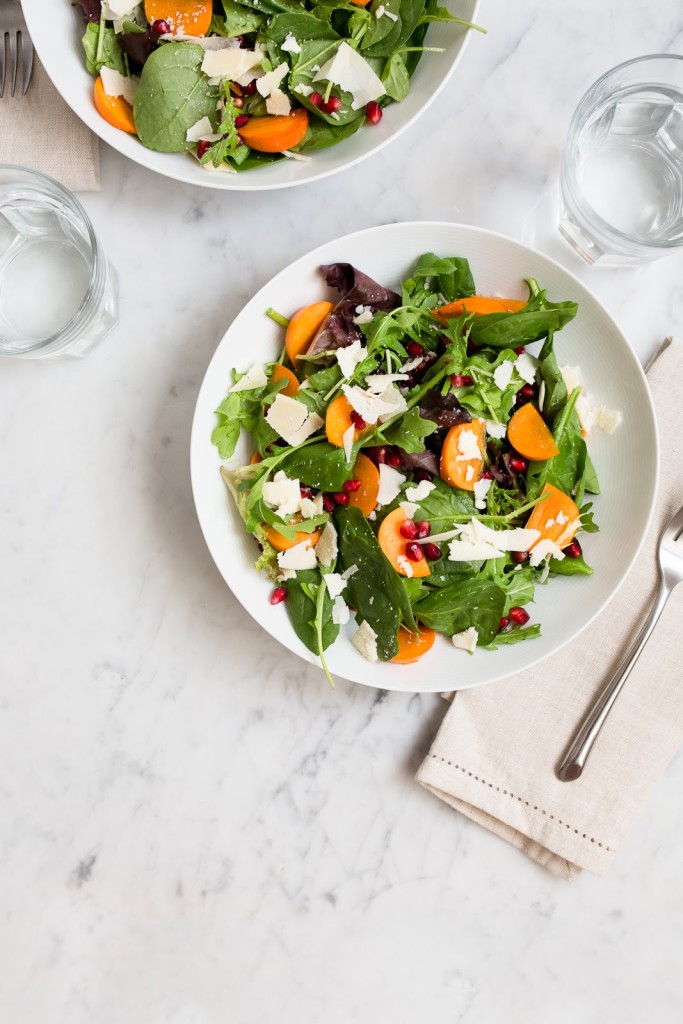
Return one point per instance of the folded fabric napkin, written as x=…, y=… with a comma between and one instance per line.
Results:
x=40, y=131
x=496, y=752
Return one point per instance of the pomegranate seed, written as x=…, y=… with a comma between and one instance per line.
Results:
x=202, y=148
x=414, y=552
x=503, y=624
x=351, y=486
x=328, y=503
x=518, y=615
x=279, y=594
x=518, y=464
x=422, y=474
x=414, y=348
x=341, y=497
x=519, y=350
x=408, y=529
x=332, y=106
x=249, y=89
x=238, y=102
x=461, y=380
x=573, y=550
x=486, y=475
x=432, y=552
x=316, y=99
x=393, y=459
x=241, y=120
x=357, y=420
x=519, y=556
x=243, y=41
x=525, y=394
x=423, y=528
x=162, y=28
x=378, y=455
x=306, y=491
x=373, y=112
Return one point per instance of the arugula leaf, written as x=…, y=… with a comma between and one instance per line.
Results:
x=433, y=12
x=456, y=607
x=172, y=96
x=301, y=603
x=244, y=409
x=267, y=560
x=570, y=566
x=409, y=432
x=320, y=465
x=102, y=49
x=230, y=145
x=514, y=636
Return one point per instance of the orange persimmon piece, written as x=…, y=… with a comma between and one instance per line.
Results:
x=530, y=435
x=303, y=327
x=338, y=420
x=114, y=109
x=556, y=518
x=393, y=544
x=412, y=646
x=255, y=457
x=365, y=498
x=477, y=304
x=360, y=3
x=455, y=469
x=189, y=17
x=281, y=372
x=281, y=543
x=273, y=133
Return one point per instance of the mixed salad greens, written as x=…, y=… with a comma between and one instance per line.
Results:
x=242, y=83
x=413, y=463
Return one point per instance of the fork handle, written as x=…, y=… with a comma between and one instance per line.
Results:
x=575, y=759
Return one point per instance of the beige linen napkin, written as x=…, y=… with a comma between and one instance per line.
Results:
x=39, y=130
x=495, y=755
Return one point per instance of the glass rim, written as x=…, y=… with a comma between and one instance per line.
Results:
x=602, y=224
x=95, y=262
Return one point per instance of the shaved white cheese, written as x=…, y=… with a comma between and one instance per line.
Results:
x=526, y=367
x=474, y=541
x=372, y=516
x=301, y=556
x=286, y=574
x=116, y=84
x=498, y=430
x=312, y=423
x=269, y=82
x=200, y=130
x=282, y=494
x=481, y=489
x=353, y=74
x=340, y=612
x=405, y=565
x=311, y=506
x=121, y=8
x=290, y=44
x=469, y=473
x=567, y=534
x=541, y=395
x=549, y=522
x=608, y=419
x=467, y=640
x=378, y=382
x=348, y=573
x=350, y=356
x=545, y=549
x=562, y=518
x=292, y=420
x=418, y=492
x=468, y=446
x=590, y=416
x=392, y=397
x=409, y=509
x=303, y=89
x=390, y=483
x=371, y=407
x=365, y=641
x=348, y=437
x=572, y=377
x=326, y=549
x=363, y=315
x=291, y=155
x=278, y=104
x=255, y=377
x=231, y=63
x=334, y=583
x=464, y=551
x=502, y=374
x=412, y=364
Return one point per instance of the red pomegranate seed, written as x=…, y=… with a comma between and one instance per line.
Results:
x=414, y=552
x=422, y=474
x=249, y=89
x=423, y=529
x=519, y=556
x=519, y=350
x=525, y=394
x=518, y=464
x=393, y=460
x=378, y=455
x=202, y=148
x=316, y=99
x=241, y=120
x=573, y=550
x=414, y=348
x=279, y=594
x=373, y=112
x=328, y=503
x=357, y=420
x=332, y=106
x=519, y=616
x=306, y=491
x=432, y=552
x=486, y=475
x=238, y=102
x=351, y=486
x=162, y=28
x=504, y=623
x=341, y=497
x=408, y=529
x=461, y=380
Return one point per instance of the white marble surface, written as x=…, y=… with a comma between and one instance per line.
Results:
x=195, y=830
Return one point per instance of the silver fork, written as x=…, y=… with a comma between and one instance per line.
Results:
x=15, y=43
x=670, y=575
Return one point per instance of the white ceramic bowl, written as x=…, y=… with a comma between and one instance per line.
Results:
x=626, y=461
x=56, y=28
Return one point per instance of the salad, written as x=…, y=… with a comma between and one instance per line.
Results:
x=414, y=465
x=242, y=83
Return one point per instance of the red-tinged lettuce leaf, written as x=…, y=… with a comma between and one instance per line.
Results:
x=138, y=46
x=90, y=9
x=445, y=410
x=357, y=289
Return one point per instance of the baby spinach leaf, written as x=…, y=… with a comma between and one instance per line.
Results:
x=102, y=49
x=395, y=78
x=320, y=134
x=443, y=505
x=451, y=275
x=456, y=607
x=570, y=566
x=173, y=95
x=531, y=323
x=303, y=25
x=301, y=603
x=555, y=387
x=239, y=20
x=320, y=465
x=409, y=432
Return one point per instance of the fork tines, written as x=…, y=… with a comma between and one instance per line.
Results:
x=15, y=48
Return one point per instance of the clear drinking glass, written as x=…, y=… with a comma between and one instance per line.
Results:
x=622, y=168
x=58, y=291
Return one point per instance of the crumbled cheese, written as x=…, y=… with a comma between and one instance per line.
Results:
x=418, y=492
x=365, y=641
x=391, y=15
x=348, y=573
x=286, y=574
x=498, y=430
x=199, y=130
x=589, y=416
x=572, y=377
x=116, y=84
x=310, y=507
x=392, y=397
x=502, y=374
x=291, y=155
x=467, y=640
x=282, y=494
x=562, y=518
x=326, y=549
x=349, y=356
x=363, y=315
x=412, y=364
x=380, y=11
x=278, y=103
x=372, y=516
x=377, y=383
x=375, y=408
x=292, y=420
x=340, y=612
x=303, y=89
x=409, y=509
x=353, y=74
x=255, y=377
x=348, y=437
x=608, y=419
x=549, y=522
x=290, y=44
x=390, y=483
x=269, y=82
x=481, y=489
x=526, y=367
x=231, y=63
x=469, y=473
x=544, y=549
x=300, y=556
x=334, y=583
x=405, y=565
x=468, y=446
